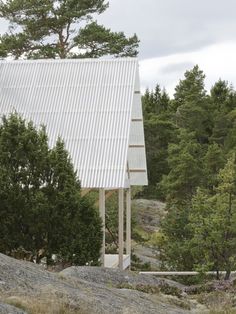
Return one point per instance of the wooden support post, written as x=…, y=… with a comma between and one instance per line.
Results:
x=107, y=195
x=121, y=227
x=102, y=215
x=128, y=222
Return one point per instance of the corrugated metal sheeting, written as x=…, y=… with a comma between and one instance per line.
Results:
x=89, y=103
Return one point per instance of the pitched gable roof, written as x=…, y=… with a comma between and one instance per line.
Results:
x=92, y=104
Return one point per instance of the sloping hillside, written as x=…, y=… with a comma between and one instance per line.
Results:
x=85, y=290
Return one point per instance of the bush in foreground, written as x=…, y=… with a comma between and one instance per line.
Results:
x=41, y=208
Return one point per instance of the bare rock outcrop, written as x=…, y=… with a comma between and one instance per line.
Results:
x=115, y=277
x=9, y=309
x=148, y=213
x=83, y=290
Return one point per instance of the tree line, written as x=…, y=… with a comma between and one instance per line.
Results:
x=190, y=143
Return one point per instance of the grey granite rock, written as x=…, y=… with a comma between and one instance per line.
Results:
x=85, y=289
x=115, y=277
x=148, y=213
x=9, y=309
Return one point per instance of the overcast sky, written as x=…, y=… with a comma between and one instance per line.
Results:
x=175, y=35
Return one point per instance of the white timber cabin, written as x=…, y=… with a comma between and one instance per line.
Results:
x=95, y=107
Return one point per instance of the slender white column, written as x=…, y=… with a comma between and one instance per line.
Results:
x=102, y=215
x=128, y=222
x=121, y=227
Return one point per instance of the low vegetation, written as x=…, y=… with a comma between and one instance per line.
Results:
x=35, y=306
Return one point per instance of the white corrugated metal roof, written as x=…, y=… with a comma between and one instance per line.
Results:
x=90, y=104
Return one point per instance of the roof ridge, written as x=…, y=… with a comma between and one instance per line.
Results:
x=85, y=60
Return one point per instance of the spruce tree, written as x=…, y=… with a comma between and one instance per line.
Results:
x=223, y=103
x=159, y=131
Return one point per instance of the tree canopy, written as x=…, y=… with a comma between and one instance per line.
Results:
x=60, y=29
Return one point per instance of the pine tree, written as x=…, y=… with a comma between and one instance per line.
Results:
x=60, y=29
x=191, y=103
x=213, y=161
x=180, y=184
x=229, y=143
x=191, y=89
x=185, y=163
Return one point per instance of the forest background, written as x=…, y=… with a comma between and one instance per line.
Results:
x=190, y=143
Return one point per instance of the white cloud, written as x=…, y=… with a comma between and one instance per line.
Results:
x=166, y=27
x=216, y=61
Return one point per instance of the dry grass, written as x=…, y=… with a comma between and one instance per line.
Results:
x=35, y=306
x=218, y=302
x=223, y=311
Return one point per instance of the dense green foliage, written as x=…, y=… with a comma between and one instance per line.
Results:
x=41, y=209
x=190, y=142
x=60, y=29
x=160, y=130
x=213, y=222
